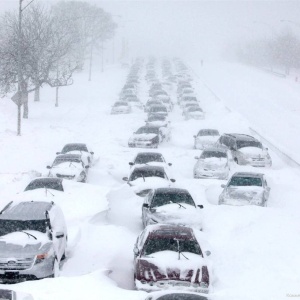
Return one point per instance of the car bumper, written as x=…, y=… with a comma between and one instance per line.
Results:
x=170, y=285
x=240, y=202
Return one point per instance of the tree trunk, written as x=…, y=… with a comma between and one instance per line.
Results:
x=25, y=103
x=37, y=93
x=56, y=101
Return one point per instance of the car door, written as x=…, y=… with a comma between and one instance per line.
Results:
x=146, y=206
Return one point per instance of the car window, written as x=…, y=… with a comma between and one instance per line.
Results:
x=145, y=158
x=245, y=181
x=74, y=147
x=146, y=173
x=209, y=154
x=161, y=199
x=142, y=130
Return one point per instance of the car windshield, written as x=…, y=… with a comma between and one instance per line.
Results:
x=171, y=244
x=208, y=132
x=60, y=160
x=74, y=147
x=48, y=184
x=156, y=118
x=142, y=130
x=245, y=181
x=161, y=199
x=145, y=158
x=9, y=226
x=158, y=109
x=141, y=173
x=243, y=144
x=181, y=296
x=121, y=104
x=210, y=154
x=6, y=295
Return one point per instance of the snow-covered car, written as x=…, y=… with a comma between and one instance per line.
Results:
x=121, y=107
x=127, y=92
x=166, y=101
x=187, y=91
x=171, y=206
x=158, y=110
x=188, y=99
x=157, y=120
x=134, y=102
x=246, y=150
x=194, y=112
x=33, y=240
x=87, y=154
x=69, y=166
x=245, y=188
x=151, y=103
x=6, y=294
x=146, y=137
x=206, y=138
x=145, y=178
x=170, y=257
x=175, y=295
x=212, y=163
x=150, y=158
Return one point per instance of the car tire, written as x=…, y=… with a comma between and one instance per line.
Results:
x=55, y=269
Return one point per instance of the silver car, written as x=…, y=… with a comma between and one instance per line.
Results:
x=212, y=163
x=245, y=188
x=33, y=240
x=206, y=138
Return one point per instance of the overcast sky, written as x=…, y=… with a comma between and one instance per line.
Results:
x=192, y=28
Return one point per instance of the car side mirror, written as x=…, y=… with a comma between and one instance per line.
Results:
x=136, y=251
x=59, y=235
x=200, y=206
x=131, y=164
x=170, y=164
x=92, y=153
x=125, y=178
x=146, y=205
x=223, y=186
x=48, y=167
x=208, y=253
x=57, y=153
x=172, y=180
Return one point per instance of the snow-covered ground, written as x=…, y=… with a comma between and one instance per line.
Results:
x=255, y=251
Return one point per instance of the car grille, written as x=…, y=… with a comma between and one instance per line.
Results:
x=65, y=176
x=16, y=263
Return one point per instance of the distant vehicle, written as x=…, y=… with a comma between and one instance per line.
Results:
x=13, y=295
x=245, y=188
x=149, y=158
x=175, y=295
x=158, y=110
x=146, y=137
x=87, y=154
x=157, y=120
x=171, y=206
x=246, y=150
x=134, y=102
x=151, y=103
x=166, y=101
x=69, y=166
x=194, y=112
x=212, y=163
x=206, y=138
x=45, y=183
x=121, y=107
x=170, y=257
x=188, y=99
x=144, y=178
x=33, y=240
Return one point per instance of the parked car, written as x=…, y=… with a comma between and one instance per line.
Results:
x=212, y=163
x=158, y=110
x=144, y=178
x=6, y=294
x=33, y=240
x=87, y=154
x=69, y=166
x=245, y=188
x=171, y=206
x=194, y=112
x=149, y=158
x=246, y=150
x=170, y=257
x=121, y=107
x=146, y=137
x=206, y=138
x=166, y=101
x=175, y=295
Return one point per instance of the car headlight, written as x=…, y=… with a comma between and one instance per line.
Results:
x=41, y=257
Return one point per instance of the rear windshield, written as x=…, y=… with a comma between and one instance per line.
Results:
x=145, y=158
x=146, y=173
x=245, y=181
x=209, y=132
x=39, y=184
x=74, y=147
x=210, y=154
x=243, y=144
x=161, y=199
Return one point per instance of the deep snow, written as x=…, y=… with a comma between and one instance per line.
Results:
x=255, y=251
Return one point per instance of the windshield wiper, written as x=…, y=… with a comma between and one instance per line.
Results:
x=179, y=252
x=29, y=234
x=47, y=191
x=180, y=205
